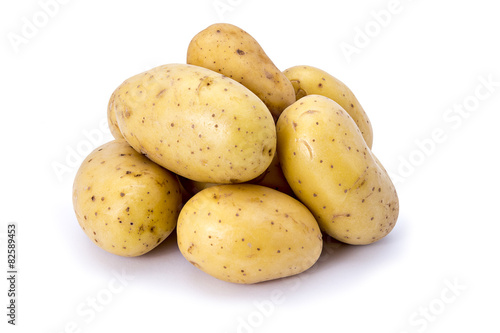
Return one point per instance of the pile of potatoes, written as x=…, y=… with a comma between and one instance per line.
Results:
x=249, y=164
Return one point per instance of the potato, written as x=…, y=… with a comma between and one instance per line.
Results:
x=192, y=187
x=125, y=203
x=273, y=178
x=309, y=80
x=333, y=172
x=112, y=123
x=196, y=123
x=231, y=51
x=246, y=233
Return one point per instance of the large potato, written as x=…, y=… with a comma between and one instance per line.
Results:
x=333, y=172
x=231, y=51
x=125, y=203
x=308, y=80
x=246, y=233
x=197, y=123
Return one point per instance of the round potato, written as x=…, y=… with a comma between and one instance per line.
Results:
x=333, y=172
x=246, y=233
x=125, y=203
x=196, y=123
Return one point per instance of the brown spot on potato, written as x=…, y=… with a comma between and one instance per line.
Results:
x=195, y=264
x=160, y=93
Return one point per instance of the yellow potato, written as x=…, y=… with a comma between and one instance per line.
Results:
x=125, y=203
x=112, y=123
x=333, y=172
x=245, y=233
x=231, y=51
x=308, y=80
x=192, y=187
x=273, y=178
x=196, y=123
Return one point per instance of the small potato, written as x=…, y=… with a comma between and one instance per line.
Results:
x=229, y=50
x=308, y=80
x=273, y=178
x=333, y=172
x=196, y=123
x=125, y=203
x=245, y=233
x=112, y=123
x=192, y=187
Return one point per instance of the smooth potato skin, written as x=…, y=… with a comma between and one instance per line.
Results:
x=196, y=123
x=273, y=178
x=332, y=171
x=229, y=50
x=125, y=203
x=308, y=80
x=246, y=233
x=111, y=115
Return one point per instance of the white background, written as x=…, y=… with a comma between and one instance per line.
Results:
x=436, y=272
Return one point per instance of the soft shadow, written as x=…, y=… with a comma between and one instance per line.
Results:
x=339, y=266
x=342, y=265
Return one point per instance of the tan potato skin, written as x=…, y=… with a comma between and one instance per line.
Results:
x=229, y=50
x=111, y=115
x=196, y=123
x=125, y=203
x=273, y=178
x=244, y=233
x=333, y=172
x=308, y=80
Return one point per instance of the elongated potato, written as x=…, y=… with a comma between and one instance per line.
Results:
x=125, y=203
x=308, y=80
x=197, y=123
x=333, y=172
x=231, y=51
x=245, y=233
